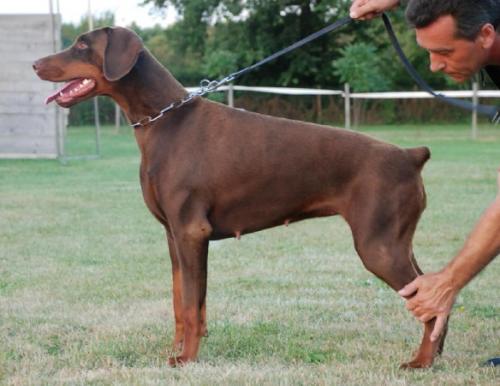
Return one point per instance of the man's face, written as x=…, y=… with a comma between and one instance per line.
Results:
x=456, y=57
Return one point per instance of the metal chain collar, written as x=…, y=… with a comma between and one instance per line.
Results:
x=206, y=86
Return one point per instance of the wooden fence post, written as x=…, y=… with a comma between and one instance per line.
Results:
x=117, y=117
x=475, y=101
x=347, y=106
x=319, y=109
x=230, y=95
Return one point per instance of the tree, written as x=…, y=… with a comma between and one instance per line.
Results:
x=253, y=29
x=360, y=67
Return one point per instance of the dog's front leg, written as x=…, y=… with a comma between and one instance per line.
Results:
x=177, y=299
x=176, y=293
x=191, y=241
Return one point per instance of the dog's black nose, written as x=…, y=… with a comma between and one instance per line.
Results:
x=36, y=65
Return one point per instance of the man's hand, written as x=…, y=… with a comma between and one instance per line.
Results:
x=368, y=9
x=433, y=297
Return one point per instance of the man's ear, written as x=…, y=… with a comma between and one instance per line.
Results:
x=487, y=35
x=121, y=53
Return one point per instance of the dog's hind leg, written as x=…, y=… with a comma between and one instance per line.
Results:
x=445, y=329
x=383, y=231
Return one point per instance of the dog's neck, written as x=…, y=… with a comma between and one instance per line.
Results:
x=147, y=89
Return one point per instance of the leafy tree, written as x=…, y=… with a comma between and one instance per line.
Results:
x=253, y=29
x=218, y=63
x=360, y=67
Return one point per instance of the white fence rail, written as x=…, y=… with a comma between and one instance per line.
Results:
x=473, y=94
x=361, y=95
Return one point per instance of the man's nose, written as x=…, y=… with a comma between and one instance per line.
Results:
x=437, y=64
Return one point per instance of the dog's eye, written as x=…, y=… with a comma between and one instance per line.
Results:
x=81, y=45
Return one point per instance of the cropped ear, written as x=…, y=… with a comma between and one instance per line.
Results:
x=121, y=53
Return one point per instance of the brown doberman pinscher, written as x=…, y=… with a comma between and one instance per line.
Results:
x=211, y=172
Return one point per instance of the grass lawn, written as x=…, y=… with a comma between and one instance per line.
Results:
x=85, y=287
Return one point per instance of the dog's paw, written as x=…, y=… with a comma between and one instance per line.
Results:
x=178, y=361
x=416, y=364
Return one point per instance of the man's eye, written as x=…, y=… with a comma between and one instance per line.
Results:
x=81, y=45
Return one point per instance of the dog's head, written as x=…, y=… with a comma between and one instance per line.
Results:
x=92, y=65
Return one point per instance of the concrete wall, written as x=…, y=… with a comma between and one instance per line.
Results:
x=28, y=128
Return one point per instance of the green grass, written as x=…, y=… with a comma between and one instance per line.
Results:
x=85, y=282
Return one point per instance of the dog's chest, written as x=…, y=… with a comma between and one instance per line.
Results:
x=151, y=194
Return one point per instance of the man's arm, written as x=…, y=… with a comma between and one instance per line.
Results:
x=436, y=293
x=368, y=9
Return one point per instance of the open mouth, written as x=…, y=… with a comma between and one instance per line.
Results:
x=71, y=91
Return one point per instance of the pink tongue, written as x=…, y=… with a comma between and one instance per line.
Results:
x=51, y=98
x=67, y=86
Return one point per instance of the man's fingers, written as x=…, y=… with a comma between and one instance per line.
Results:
x=362, y=9
x=438, y=327
x=369, y=16
x=424, y=318
x=409, y=289
x=417, y=311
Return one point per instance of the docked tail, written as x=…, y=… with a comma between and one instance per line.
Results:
x=420, y=155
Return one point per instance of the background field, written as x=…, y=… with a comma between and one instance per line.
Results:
x=85, y=281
